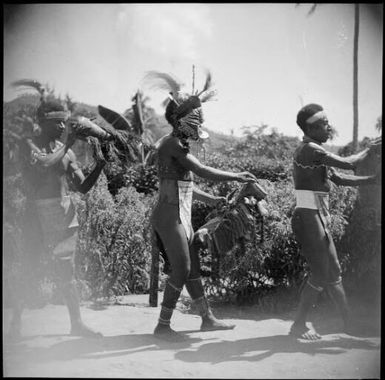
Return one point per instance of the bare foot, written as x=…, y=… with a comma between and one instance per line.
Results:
x=82, y=330
x=165, y=332
x=303, y=332
x=211, y=324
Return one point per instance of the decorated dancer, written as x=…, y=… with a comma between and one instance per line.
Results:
x=171, y=217
x=313, y=168
x=50, y=224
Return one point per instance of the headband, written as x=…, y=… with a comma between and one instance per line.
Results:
x=57, y=115
x=317, y=116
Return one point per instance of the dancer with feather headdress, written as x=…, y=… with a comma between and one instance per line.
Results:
x=50, y=171
x=171, y=218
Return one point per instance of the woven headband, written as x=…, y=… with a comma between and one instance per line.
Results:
x=317, y=116
x=57, y=115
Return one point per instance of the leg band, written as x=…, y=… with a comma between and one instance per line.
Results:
x=337, y=282
x=318, y=288
x=165, y=315
x=195, y=279
x=174, y=287
x=170, y=298
x=195, y=288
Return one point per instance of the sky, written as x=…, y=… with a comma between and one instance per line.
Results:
x=266, y=59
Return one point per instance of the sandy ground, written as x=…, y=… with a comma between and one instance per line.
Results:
x=258, y=347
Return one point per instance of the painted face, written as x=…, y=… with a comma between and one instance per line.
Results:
x=190, y=124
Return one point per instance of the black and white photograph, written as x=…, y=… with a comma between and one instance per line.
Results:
x=192, y=190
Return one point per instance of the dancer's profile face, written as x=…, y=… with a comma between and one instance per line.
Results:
x=320, y=130
x=54, y=128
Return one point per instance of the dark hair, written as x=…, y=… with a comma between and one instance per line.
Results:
x=170, y=114
x=305, y=112
x=49, y=106
x=187, y=104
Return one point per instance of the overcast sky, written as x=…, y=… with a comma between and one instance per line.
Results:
x=266, y=59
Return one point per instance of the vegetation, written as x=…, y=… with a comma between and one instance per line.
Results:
x=114, y=250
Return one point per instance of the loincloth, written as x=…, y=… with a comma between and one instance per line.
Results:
x=315, y=200
x=59, y=226
x=178, y=193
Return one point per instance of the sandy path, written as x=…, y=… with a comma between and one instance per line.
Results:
x=257, y=348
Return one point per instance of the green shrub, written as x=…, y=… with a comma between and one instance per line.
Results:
x=253, y=269
x=114, y=253
x=143, y=178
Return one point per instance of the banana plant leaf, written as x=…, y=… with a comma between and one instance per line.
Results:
x=114, y=118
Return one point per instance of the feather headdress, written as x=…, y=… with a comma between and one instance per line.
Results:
x=181, y=103
x=31, y=83
x=49, y=108
x=163, y=81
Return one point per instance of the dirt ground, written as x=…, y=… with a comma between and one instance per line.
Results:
x=258, y=347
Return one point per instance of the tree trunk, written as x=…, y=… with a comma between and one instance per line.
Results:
x=355, y=77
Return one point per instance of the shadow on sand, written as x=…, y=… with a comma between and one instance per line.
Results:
x=251, y=349
x=240, y=350
x=81, y=348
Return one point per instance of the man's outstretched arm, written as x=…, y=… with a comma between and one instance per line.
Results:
x=341, y=179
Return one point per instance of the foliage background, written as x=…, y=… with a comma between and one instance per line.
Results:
x=114, y=249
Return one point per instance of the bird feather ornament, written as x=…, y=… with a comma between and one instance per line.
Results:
x=208, y=92
x=31, y=83
x=163, y=81
x=173, y=86
x=182, y=103
x=207, y=85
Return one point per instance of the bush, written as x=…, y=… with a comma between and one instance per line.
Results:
x=143, y=178
x=254, y=269
x=360, y=249
x=114, y=252
x=347, y=150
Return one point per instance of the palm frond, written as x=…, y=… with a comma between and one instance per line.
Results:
x=123, y=146
x=114, y=118
x=138, y=113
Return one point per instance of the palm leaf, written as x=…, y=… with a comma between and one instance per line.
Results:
x=123, y=147
x=114, y=118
